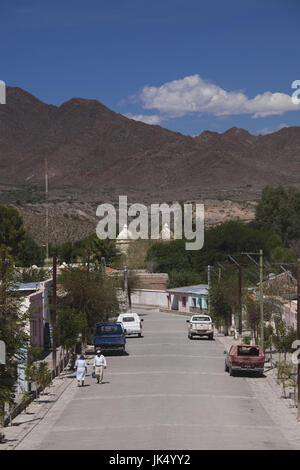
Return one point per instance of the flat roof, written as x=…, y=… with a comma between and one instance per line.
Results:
x=198, y=289
x=26, y=286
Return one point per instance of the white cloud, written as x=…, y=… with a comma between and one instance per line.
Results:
x=153, y=119
x=194, y=95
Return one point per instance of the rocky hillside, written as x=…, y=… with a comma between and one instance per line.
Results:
x=95, y=154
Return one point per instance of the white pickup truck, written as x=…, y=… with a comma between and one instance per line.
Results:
x=131, y=323
x=200, y=325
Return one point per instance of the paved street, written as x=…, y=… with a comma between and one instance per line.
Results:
x=168, y=393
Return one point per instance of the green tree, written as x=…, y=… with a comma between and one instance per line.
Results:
x=69, y=325
x=90, y=292
x=30, y=254
x=223, y=298
x=39, y=374
x=12, y=231
x=169, y=255
x=284, y=337
x=279, y=211
x=227, y=238
x=94, y=249
x=184, y=278
x=44, y=377
x=284, y=375
x=12, y=332
x=271, y=308
x=67, y=253
x=33, y=275
x=281, y=254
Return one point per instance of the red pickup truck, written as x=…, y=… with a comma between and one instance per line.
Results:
x=244, y=358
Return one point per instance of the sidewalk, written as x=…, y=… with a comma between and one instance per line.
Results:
x=22, y=422
x=47, y=358
x=25, y=422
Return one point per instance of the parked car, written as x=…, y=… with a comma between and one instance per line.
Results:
x=200, y=325
x=110, y=336
x=131, y=323
x=244, y=358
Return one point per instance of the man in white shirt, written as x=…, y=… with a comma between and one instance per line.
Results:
x=99, y=365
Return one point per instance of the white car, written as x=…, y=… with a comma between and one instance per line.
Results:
x=200, y=325
x=132, y=323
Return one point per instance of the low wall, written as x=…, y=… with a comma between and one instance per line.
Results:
x=152, y=298
x=21, y=402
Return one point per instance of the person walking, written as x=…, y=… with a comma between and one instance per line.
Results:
x=81, y=370
x=99, y=365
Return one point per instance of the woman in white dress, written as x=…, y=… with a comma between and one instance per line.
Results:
x=81, y=370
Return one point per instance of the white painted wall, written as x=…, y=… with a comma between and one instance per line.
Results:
x=157, y=298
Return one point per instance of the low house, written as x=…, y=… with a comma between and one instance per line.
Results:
x=190, y=299
x=37, y=299
x=283, y=285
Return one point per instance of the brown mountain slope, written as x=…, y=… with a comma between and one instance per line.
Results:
x=96, y=154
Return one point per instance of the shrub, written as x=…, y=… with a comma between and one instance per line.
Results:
x=246, y=339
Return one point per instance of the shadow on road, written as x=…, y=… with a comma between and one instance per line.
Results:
x=134, y=337
x=29, y=421
x=249, y=375
x=201, y=339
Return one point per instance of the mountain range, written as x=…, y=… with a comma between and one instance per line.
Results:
x=95, y=154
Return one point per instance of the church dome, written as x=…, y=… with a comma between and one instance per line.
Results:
x=125, y=234
x=166, y=233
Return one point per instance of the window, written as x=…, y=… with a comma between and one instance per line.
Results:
x=248, y=351
x=201, y=318
x=109, y=330
x=184, y=301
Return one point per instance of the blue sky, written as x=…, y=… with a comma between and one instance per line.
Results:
x=186, y=65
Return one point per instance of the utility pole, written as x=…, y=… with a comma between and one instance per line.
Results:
x=240, y=296
x=208, y=282
x=298, y=335
x=53, y=315
x=261, y=299
x=126, y=286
